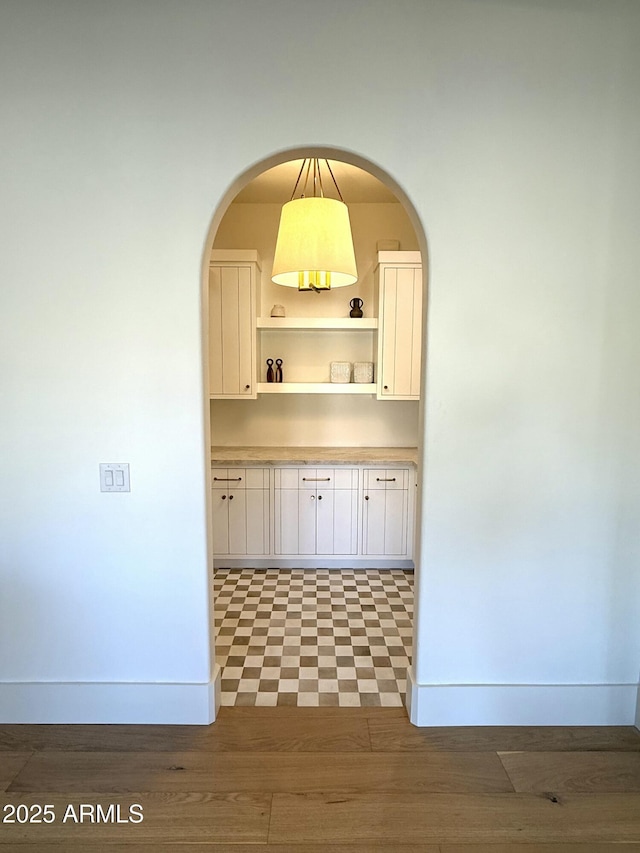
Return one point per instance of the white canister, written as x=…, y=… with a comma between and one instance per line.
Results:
x=363, y=372
x=341, y=371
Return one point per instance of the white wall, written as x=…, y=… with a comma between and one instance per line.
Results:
x=513, y=128
x=310, y=419
x=314, y=420
x=531, y=578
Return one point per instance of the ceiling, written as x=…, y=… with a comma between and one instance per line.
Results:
x=276, y=185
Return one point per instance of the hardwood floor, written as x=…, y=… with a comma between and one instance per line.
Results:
x=305, y=780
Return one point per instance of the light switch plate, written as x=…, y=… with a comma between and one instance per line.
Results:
x=114, y=477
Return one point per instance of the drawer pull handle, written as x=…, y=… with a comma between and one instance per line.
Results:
x=385, y=479
x=226, y=479
x=316, y=479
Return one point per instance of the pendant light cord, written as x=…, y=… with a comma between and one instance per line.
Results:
x=334, y=180
x=317, y=178
x=298, y=179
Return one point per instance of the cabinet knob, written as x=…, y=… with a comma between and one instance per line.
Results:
x=247, y=387
x=224, y=497
x=230, y=497
x=366, y=497
x=386, y=387
x=313, y=497
x=319, y=497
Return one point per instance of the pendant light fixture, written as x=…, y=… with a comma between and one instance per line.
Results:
x=314, y=249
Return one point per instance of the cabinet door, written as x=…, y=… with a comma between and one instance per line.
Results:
x=325, y=522
x=286, y=520
x=307, y=502
x=285, y=511
x=257, y=521
x=400, y=324
x=373, y=519
x=232, y=364
x=345, y=521
x=220, y=521
x=237, y=508
x=395, y=522
x=386, y=513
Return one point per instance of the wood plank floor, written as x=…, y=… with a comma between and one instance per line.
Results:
x=305, y=780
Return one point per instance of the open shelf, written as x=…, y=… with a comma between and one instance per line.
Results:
x=351, y=323
x=316, y=388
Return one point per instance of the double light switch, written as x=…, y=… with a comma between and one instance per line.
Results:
x=114, y=477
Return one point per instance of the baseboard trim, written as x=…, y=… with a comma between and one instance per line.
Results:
x=311, y=563
x=110, y=703
x=522, y=704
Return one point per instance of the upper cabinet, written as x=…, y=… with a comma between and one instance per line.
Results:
x=234, y=279
x=399, y=276
x=240, y=341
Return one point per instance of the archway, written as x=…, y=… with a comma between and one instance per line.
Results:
x=232, y=192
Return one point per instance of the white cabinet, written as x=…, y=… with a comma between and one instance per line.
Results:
x=240, y=341
x=316, y=511
x=233, y=288
x=280, y=514
x=399, y=325
x=240, y=511
x=386, y=524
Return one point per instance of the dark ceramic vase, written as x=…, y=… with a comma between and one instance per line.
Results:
x=356, y=307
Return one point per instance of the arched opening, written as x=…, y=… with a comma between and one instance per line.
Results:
x=399, y=197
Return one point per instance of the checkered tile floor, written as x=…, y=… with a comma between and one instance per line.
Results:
x=313, y=636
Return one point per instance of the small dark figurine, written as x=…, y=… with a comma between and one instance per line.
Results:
x=278, y=370
x=269, y=370
x=356, y=307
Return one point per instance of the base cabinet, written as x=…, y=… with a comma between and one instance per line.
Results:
x=385, y=524
x=286, y=516
x=240, y=511
x=316, y=511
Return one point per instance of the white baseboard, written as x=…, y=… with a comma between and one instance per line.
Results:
x=522, y=704
x=311, y=563
x=82, y=702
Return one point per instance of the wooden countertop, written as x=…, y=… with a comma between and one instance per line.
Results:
x=239, y=456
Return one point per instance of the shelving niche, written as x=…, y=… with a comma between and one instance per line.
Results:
x=308, y=345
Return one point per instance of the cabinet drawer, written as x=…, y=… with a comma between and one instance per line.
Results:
x=257, y=478
x=286, y=478
x=228, y=478
x=378, y=478
x=346, y=478
x=328, y=478
x=239, y=478
x=314, y=479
